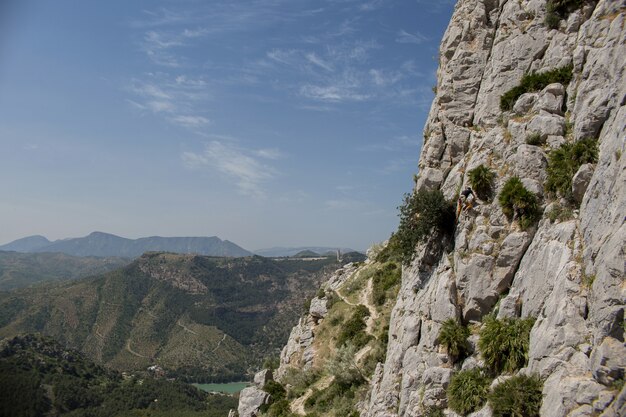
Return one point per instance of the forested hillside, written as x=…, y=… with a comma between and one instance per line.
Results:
x=200, y=318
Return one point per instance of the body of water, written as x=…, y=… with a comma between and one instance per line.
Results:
x=228, y=388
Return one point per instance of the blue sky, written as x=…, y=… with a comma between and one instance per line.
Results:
x=265, y=122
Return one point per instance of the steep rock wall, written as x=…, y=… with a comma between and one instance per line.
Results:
x=577, y=342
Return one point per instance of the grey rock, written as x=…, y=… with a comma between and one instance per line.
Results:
x=525, y=103
x=547, y=124
x=263, y=377
x=318, y=309
x=608, y=361
x=250, y=401
x=581, y=180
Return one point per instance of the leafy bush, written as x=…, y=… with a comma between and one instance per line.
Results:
x=504, y=343
x=518, y=202
x=421, y=214
x=535, y=139
x=468, y=391
x=300, y=380
x=453, y=337
x=519, y=396
x=563, y=163
x=481, y=178
x=552, y=20
x=534, y=82
x=384, y=279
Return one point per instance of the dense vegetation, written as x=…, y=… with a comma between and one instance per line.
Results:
x=38, y=376
x=504, y=343
x=202, y=318
x=519, y=203
x=421, y=214
x=383, y=280
x=518, y=396
x=563, y=163
x=481, y=179
x=468, y=390
x=535, y=81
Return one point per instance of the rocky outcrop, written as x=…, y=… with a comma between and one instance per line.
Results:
x=299, y=351
x=250, y=401
x=569, y=275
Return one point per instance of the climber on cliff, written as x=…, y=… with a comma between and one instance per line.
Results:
x=466, y=201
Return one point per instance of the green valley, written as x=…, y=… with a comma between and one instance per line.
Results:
x=199, y=318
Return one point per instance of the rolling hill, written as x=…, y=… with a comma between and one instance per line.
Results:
x=23, y=269
x=201, y=318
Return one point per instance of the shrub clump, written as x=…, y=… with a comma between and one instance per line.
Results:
x=353, y=330
x=383, y=280
x=504, y=343
x=559, y=9
x=481, y=178
x=468, y=391
x=453, y=336
x=519, y=203
x=535, y=139
x=519, y=396
x=563, y=163
x=421, y=214
x=534, y=82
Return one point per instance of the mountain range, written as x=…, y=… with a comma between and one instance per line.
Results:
x=293, y=251
x=105, y=244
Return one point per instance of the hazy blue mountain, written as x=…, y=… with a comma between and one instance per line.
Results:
x=282, y=251
x=105, y=244
x=26, y=244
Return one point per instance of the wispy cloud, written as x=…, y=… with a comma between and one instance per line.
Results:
x=242, y=166
x=192, y=122
x=405, y=37
x=172, y=99
x=314, y=59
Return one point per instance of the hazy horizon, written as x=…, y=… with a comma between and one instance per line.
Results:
x=263, y=122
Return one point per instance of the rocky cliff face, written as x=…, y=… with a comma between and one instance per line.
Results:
x=565, y=272
x=577, y=341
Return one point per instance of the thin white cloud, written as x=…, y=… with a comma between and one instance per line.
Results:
x=270, y=153
x=235, y=163
x=314, y=59
x=331, y=93
x=384, y=78
x=191, y=122
x=160, y=106
x=415, y=38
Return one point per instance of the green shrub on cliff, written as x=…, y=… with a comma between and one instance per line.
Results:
x=421, y=214
x=504, y=343
x=468, y=391
x=481, y=178
x=517, y=202
x=519, y=396
x=563, y=163
x=535, y=81
x=453, y=336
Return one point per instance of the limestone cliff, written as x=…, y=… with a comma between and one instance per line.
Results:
x=566, y=272
x=539, y=272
